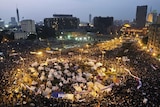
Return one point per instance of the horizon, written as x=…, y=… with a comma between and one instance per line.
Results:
x=36, y=10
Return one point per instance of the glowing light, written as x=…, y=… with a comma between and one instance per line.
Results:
x=48, y=49
x=112, y=70
x=6, y=26
x=87, y=45
x=80, y=38
x=69, y=36
x=60, y=37
x=137, y=35
x=85, y=38
x=18, y=70
x=144, y=47
x=76, y=38
x=36, y=53
x=127, y=25
x=154, y=54
x=39, y=53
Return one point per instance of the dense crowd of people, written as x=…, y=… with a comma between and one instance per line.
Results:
x=125, y=94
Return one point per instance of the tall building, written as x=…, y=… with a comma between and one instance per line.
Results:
x=17, y=11
x=152, y=17
x=1, y=23
x=61, y=22
x=158, y=19
x=154, y=38
x=28, y=26
x=102, y=24
x=13, y=21
x=141, y=16
x=90, y=18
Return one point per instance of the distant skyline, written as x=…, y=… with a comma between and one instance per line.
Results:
x=40, y=9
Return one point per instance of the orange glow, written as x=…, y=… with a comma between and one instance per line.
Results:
x=39, y=53
x=154, y=54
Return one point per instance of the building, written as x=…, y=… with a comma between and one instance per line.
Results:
x=152, y=17
x=62, y=15
x=28, y=26
x=1, y=23
x=20, y=35
x=62, y=22
x=102, y=24
x=158, y=19
x=17, y=11
x=90, y=18
x=141, y=16
x=154, y=38
x=13, y=22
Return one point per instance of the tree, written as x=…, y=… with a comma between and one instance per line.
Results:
x=145, y=40
x=32, y=37
x=1, y=36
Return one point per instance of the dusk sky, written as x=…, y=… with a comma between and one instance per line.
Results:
x=40, y=9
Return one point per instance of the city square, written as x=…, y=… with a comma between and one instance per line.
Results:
x=89, y=75
x=58, y=53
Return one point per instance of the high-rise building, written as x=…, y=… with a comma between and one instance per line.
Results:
x=1, y=23
x=90, y=18
x=17, y=11
x=154, y=38
x=28, y=26
x=158, y=19
x=62, y=22
x=13, y=21
x=152, y=17
x=141, y=16
x=102, y=24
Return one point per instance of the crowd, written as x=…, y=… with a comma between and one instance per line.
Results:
x=139, y=86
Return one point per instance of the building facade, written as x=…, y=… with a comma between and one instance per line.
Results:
x=62, y=22
x=13, y=22
x=1, y=23
x=141, y=16
x=102, y=24
x=154, y=38
x=158, y=19
x=28, y=26
x=20, y=35
x=152, y=17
